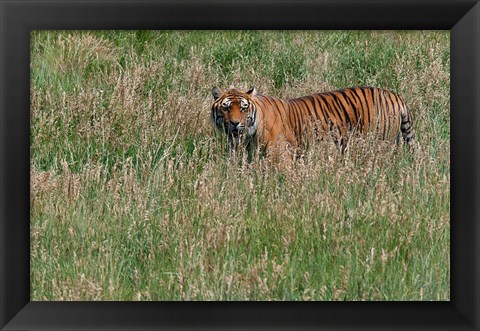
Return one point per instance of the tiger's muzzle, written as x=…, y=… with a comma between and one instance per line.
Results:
x=236, y=128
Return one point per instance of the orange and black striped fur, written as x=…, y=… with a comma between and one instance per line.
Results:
x=247, y=116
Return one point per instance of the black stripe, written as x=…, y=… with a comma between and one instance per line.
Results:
x=327, y=111
x=397, y=109
x=357, y=109
x=373, y=102
x=383, y=113
x=401, y=108
x=407, y=116
x=390, y=108
x=345, y=119
x=323, y=119
x=276, y=110
x=283, y=113
x=291, y=114
x=297, y=115
x=341, y=110
x=395, y=105
x=307, y=108
x=364, y=109
x=321, y=106
x=348, y=102
x=254, y=114
x=384, y=117
x=314, y=107
x=333, y=108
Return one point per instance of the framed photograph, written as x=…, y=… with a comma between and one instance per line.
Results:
x=239, y=165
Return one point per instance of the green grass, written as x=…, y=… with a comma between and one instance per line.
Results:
x=133, y=196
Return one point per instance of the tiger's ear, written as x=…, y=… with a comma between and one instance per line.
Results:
x=252, y=92
x=216, y=92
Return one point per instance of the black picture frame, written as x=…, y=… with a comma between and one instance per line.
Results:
x=19, y=17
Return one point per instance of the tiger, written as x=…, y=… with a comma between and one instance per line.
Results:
x=264, y=120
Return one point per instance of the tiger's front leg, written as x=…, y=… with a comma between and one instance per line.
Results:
x=254, y=149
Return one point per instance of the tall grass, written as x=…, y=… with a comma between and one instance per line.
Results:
x=133, y=196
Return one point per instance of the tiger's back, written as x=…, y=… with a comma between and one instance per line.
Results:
x=359, y=109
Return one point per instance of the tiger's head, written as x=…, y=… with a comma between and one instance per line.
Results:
x=234, y=112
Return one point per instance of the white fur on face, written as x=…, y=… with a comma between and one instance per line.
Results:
x=226, y=103
x=243, y=103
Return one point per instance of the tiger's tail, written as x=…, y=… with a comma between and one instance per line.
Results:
x=406, y=126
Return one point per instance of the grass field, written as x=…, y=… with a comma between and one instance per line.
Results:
x=134, y=197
